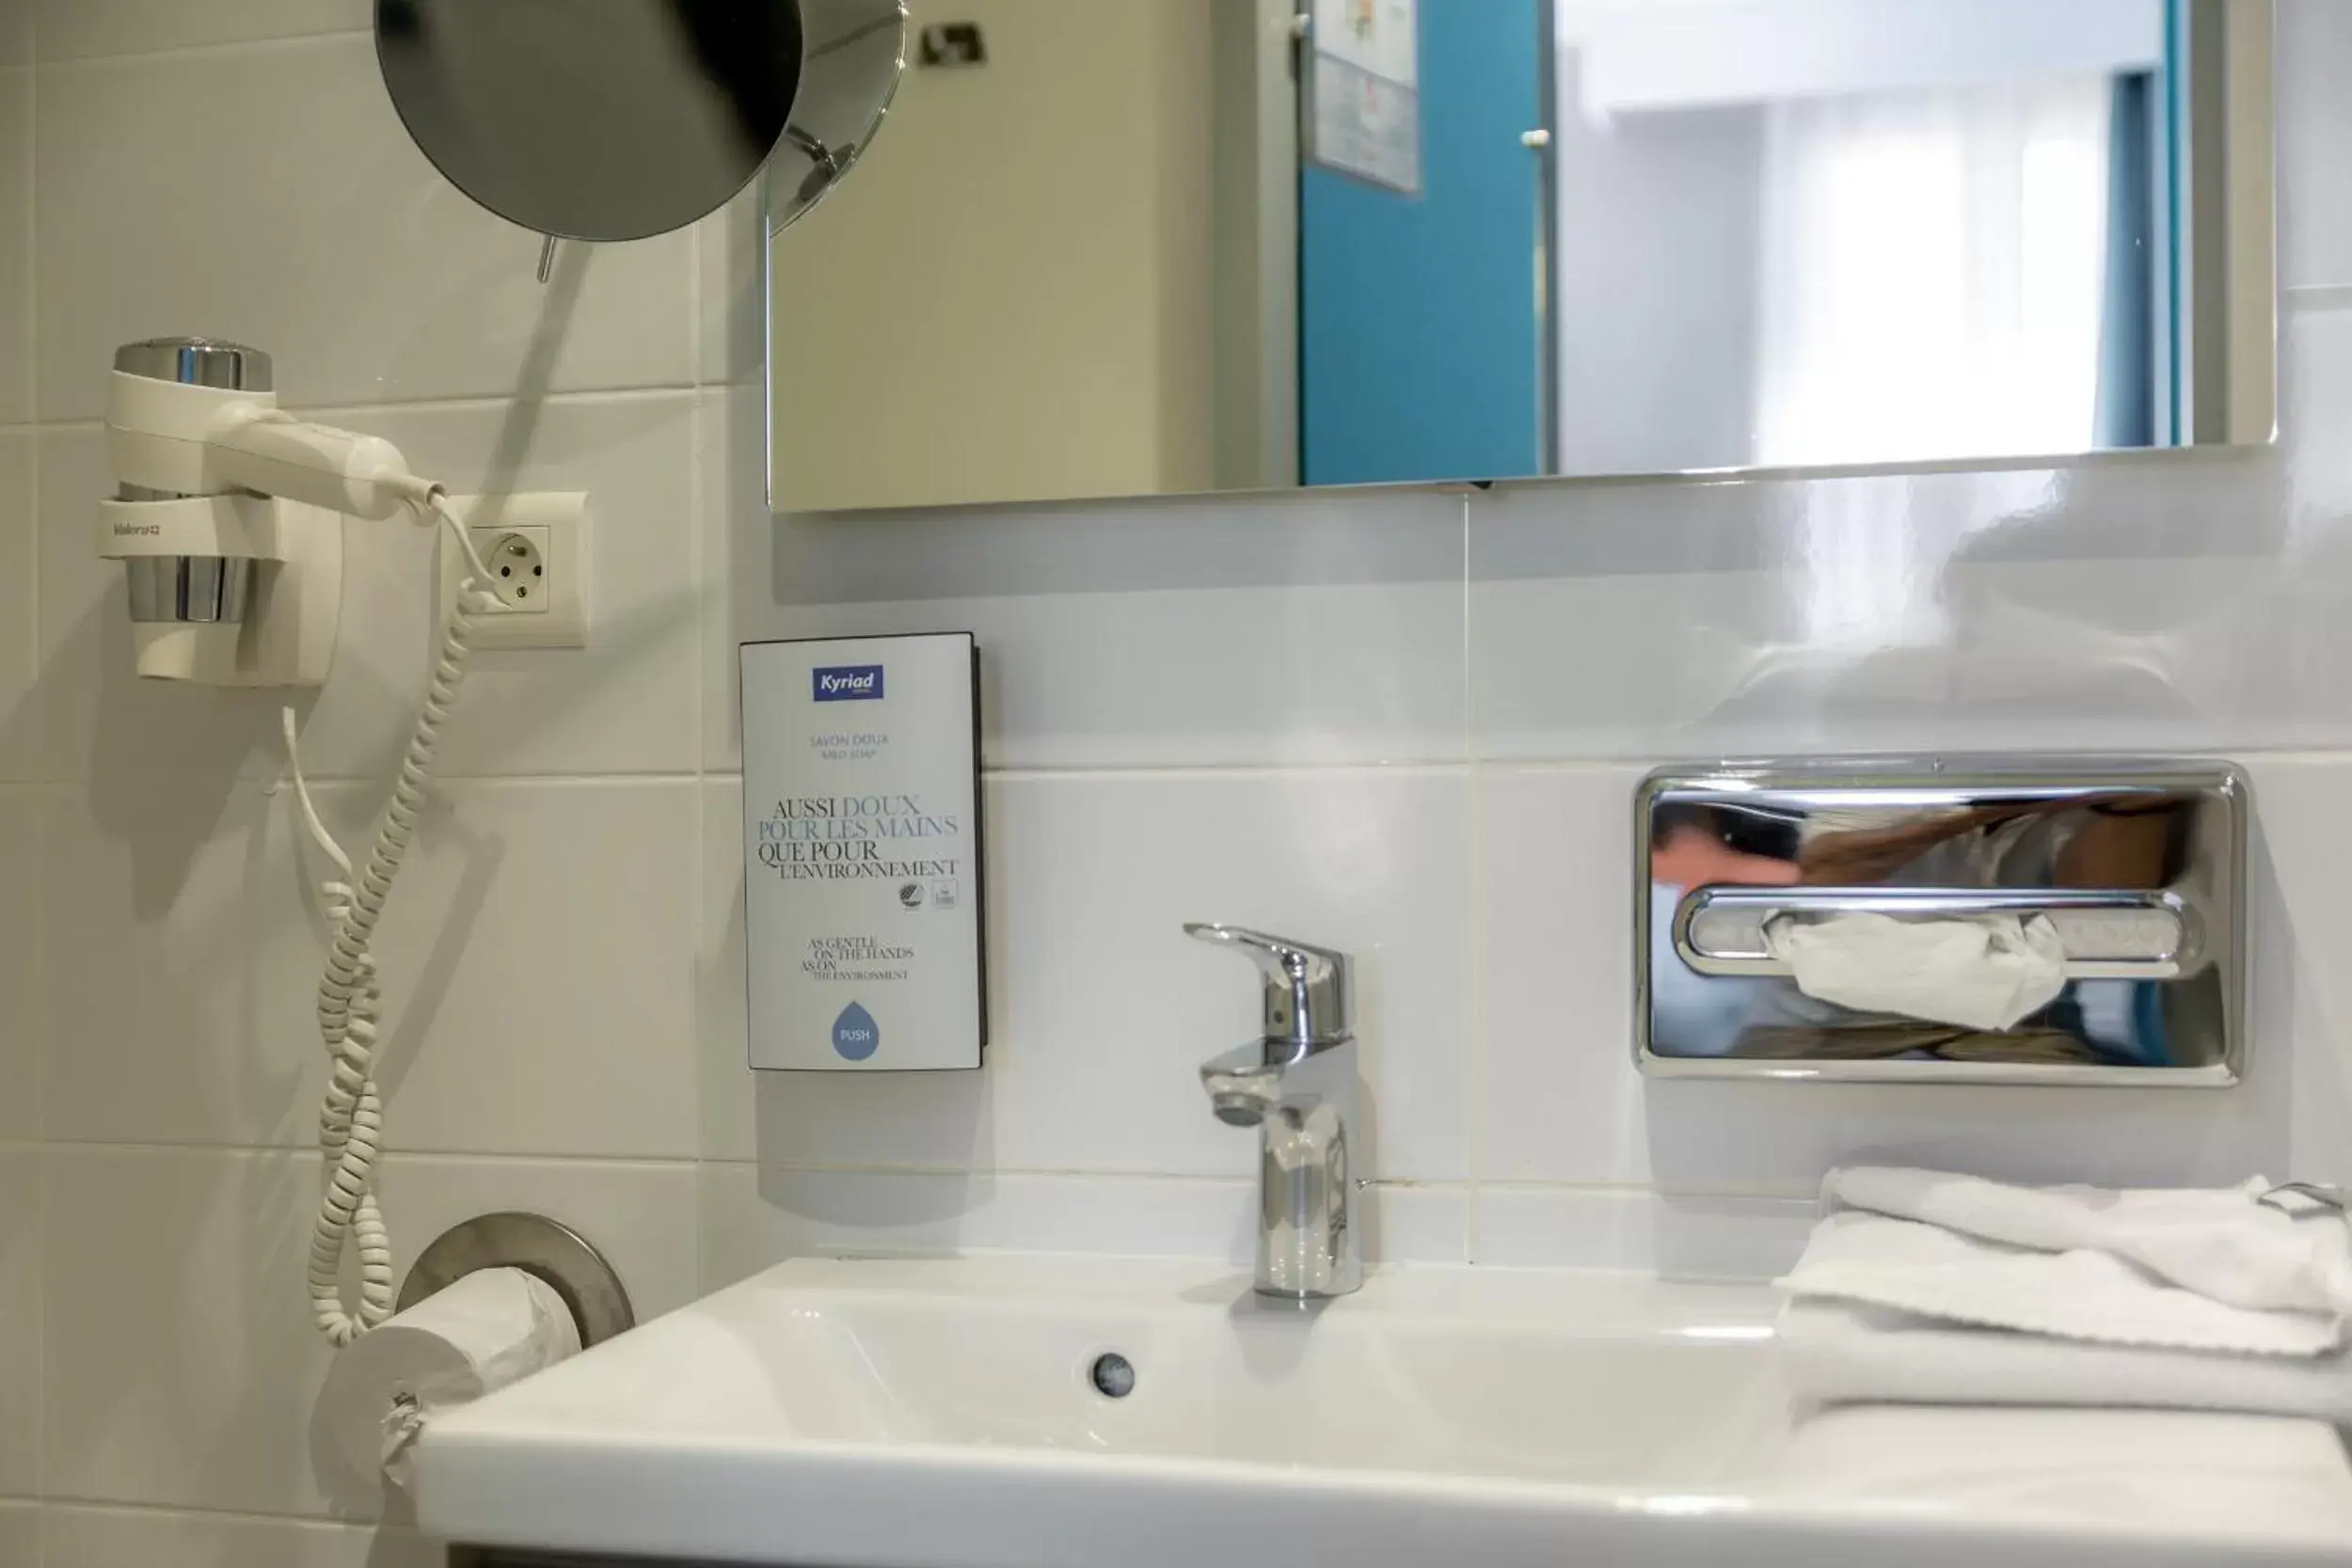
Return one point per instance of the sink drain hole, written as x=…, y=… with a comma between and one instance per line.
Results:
x=1113, y=1375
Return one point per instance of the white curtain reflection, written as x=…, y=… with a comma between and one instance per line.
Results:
x=1934, y=266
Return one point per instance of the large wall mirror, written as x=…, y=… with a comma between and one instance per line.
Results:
x=1117, y=247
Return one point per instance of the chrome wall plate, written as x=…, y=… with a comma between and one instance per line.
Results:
x=555, y=1253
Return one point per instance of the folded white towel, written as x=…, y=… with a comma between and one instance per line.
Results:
x=1927, y=1288
x=1836, y=1353
x=1873, y=1261
x=2220, y=1244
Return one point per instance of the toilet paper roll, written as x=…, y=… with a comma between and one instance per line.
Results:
x=491, y=1328
x=1981, y=972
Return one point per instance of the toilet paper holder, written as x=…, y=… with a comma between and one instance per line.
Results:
x=2139, y=863
x=552, y=1251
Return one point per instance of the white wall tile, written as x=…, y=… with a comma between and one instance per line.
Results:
x=204, y=1401
x=76, y=1536
x=626, y=704
x=16, y=32
x=157, y=904
x=16, y=234
x=541, y=946
x=731, y=260
x=1679, y=1237
x=754, y=1217
x=21, y=945
x=70, y=29
x=1097, y=1000
x=209, y=1404
x=20, y=1347
x=728, y=1087
x=1235, y=677
x=1778, y=1140
x=1408, y=1223
x=2296, y=635
x=369, y=277
x=1557, y=1097
x=19, y=1535
x=537, y=959
x=738, y=555
x=2315, y=55
x=1293, y=630
x=2128, y=603
x=2302, y=1004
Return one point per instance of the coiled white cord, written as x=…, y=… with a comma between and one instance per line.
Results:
x=351, y=1121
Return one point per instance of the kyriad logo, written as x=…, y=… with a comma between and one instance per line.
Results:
x=848, y=683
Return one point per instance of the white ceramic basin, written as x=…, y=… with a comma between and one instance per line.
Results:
x=943, y=1415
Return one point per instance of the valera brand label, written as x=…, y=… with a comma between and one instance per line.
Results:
x=861, y=854
x=847, y=683
x=137, y=531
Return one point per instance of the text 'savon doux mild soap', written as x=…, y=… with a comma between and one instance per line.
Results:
x=862, y=853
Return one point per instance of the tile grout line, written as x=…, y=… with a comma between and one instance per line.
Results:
x=582, y=397
x=694, y=232
x=700, y=511
x=31, y=388
x=1207, y=772
x=35, y=622
x=265, y=44
x=678, y=1163
x=1235, y=772
x=75, y=1503
x=42, y=1240
x=703, y=511
x=1190, y=1179
x=1473, y=1006
x=457, y=403
x=393, y=1158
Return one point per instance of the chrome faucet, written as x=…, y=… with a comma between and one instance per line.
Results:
x=1299, y=1085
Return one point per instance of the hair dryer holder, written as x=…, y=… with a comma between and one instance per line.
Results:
x=287, y=634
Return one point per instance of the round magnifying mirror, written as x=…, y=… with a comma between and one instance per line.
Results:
x=614, y=119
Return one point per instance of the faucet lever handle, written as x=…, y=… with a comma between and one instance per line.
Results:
x=1310, y=990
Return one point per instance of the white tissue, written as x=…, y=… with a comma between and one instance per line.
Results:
x=491, y=1328
x=1979, y=972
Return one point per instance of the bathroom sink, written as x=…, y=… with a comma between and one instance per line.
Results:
x=1012, y=1412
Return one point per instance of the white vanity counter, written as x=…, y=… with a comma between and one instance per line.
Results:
x=946, y=1413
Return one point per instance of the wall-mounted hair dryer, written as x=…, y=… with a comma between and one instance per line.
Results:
x=229, y=517
x=226, y=515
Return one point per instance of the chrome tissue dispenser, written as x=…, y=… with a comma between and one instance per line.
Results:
x=2138, y=864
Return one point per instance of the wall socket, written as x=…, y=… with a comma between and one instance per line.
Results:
x=518, y=559
x=536, y=547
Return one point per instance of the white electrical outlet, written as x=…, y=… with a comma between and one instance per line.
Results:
x=536, y=547
x=518, y=559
